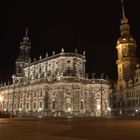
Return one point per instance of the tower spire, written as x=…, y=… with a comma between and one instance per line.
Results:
x=24, y=56
x=123, y=12
x=26, y=37
x=26, y=32
x=124, y=28
x=25, y=46
x=126, y=47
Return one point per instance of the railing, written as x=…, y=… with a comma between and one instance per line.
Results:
x=57, y=79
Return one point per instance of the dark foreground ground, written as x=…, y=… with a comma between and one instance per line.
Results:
x=69, y=129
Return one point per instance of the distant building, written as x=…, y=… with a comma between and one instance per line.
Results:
x=56, y=85
x=126, y=95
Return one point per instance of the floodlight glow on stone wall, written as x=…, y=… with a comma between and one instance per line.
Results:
x=1, y=98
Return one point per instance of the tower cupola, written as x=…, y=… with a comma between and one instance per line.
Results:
x=126, y=48
x=126, y=36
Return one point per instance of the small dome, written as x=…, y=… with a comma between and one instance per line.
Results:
x=126, y=39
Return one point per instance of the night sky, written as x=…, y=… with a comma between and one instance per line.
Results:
x=91, y=27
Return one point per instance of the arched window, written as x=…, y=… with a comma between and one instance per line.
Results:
x=81, y=105
x=53, y=104
x=27, y=105
x=34, y=104
x=40, y=105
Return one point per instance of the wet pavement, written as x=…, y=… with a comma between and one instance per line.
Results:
x=69, y=129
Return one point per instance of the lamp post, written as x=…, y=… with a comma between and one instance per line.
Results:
x=20, y=112
x=136, y=112
x=109, y=109
x=13, y=98
x=40, y=112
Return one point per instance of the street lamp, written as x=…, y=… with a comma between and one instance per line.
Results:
x=109, y=109
x=69, y=109
x=40, y=112
x=20, y=112
x=136, y=112
x=1, y=102
x=13, y=96
x=40, y=109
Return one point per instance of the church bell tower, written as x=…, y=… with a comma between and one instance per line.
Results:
x=24, y=57
x=126, y=49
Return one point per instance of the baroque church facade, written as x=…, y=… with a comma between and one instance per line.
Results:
x=126, y=94
x=56, y=85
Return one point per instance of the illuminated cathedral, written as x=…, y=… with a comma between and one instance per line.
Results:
x=56, y=85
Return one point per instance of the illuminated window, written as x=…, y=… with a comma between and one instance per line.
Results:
x=98, y=104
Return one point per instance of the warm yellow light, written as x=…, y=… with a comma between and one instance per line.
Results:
x=39, y=109
x=69, y=109
x=1, y=98
x=98, y=106
x=109, y=109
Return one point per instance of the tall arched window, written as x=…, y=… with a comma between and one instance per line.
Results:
x=53, y=104
x=81, y=105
